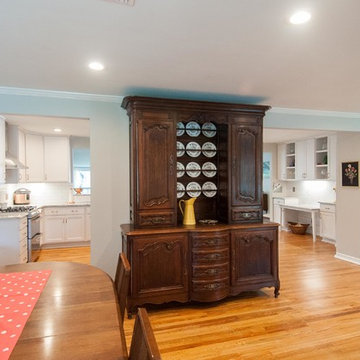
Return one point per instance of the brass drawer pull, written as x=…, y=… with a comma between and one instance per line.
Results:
x=212, y=286
x=212, y=271
x=212, y=242
x=213, y=257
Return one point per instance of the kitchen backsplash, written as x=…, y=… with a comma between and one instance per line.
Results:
x=46, y=193
x=310, y=191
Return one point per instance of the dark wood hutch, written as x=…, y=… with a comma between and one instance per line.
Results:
x=212, y=151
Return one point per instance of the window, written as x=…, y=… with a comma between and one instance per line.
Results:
x=80, y=152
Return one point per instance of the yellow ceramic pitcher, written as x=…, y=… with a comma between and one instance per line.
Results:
x=188, y=213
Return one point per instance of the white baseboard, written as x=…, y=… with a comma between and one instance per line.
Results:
x=65, y=245
x=329, y=241
x=348, y=258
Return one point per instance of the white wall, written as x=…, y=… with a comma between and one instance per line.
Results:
x=347, y=202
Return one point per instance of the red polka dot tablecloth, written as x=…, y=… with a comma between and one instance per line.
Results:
x=19, y=293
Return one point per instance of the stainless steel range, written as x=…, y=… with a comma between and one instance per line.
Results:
x=33, y=228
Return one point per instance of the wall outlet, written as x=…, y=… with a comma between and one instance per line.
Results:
x=293, y=189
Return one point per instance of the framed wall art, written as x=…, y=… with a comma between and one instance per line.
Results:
x=350, y=173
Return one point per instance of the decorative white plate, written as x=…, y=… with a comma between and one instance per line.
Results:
x=209, y=189
x=180, y=188
x=180, y=149
x=193, y=129
x=193, y=169
x=180, y=129
x=180, y=169
x=209, y=129
x=209, y=149
x=193, y=149
x=209, y=169
x=193, y=189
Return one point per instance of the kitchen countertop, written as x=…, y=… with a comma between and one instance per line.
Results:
x=65, y=204
x=328, y=202
x=314, y=206
x=16, y=215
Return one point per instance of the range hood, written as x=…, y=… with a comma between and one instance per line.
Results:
x=11, y=162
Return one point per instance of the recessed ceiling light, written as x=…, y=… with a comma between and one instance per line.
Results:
x=58, y=130
x=300, y=17
x=96, y=66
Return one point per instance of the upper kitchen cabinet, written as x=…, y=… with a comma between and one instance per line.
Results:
x=56, y=159
x=309, y=159
x=37, y=158
x=2, y=150
x=182, y=149
x=304, y=169
x=34, y=150
x=286, y=161
x=325, y=158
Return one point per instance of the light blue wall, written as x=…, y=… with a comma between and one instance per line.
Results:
x=110, y=164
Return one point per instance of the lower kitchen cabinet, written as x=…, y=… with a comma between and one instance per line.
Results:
x=204, y=263
x=327, y=222
x=13, y=241
x=63, y=224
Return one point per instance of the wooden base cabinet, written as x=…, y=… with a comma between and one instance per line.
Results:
x=159, y=268
x=254, y=260
x=199, y=263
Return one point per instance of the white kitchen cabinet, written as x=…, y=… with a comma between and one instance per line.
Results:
x=304, y=169
x=2, y=150
x=276, y=209
x=56, y=159
x=325, y=158
x=281, y=161
x=34, y=149
x=13, y=240
x=327, y=222
x=64, y=224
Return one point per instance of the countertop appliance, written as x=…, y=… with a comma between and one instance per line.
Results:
x=22, y=196
x=33, y=228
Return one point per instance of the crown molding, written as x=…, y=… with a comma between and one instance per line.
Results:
x=59, y=94
x=308, y=112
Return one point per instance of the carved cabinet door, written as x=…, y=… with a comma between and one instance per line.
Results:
x=156, y=170
x=246, y=172
x=254, y=259
x=159, y=268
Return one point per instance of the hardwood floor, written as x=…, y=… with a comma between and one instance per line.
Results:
x=75, y=254
x=316, y=316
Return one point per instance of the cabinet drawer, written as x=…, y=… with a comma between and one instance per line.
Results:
x=278, y=201
x=158, y=219
x=210, y=241
x=328, y=207
x=210, y=271
x=210, y=256
x=70, y=210
x=246, y=215
x=198, y=285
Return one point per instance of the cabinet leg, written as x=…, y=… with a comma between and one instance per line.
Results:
x=277, y=292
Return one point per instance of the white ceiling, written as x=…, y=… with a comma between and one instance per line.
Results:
x=46, y=125
x=233, y=50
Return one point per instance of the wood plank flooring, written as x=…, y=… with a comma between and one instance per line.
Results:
x=316, y=316
x=74, y=254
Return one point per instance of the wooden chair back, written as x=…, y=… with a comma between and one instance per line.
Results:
x=122, y=281
x=143, y=343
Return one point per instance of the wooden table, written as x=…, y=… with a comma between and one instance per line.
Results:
x=74, y=318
